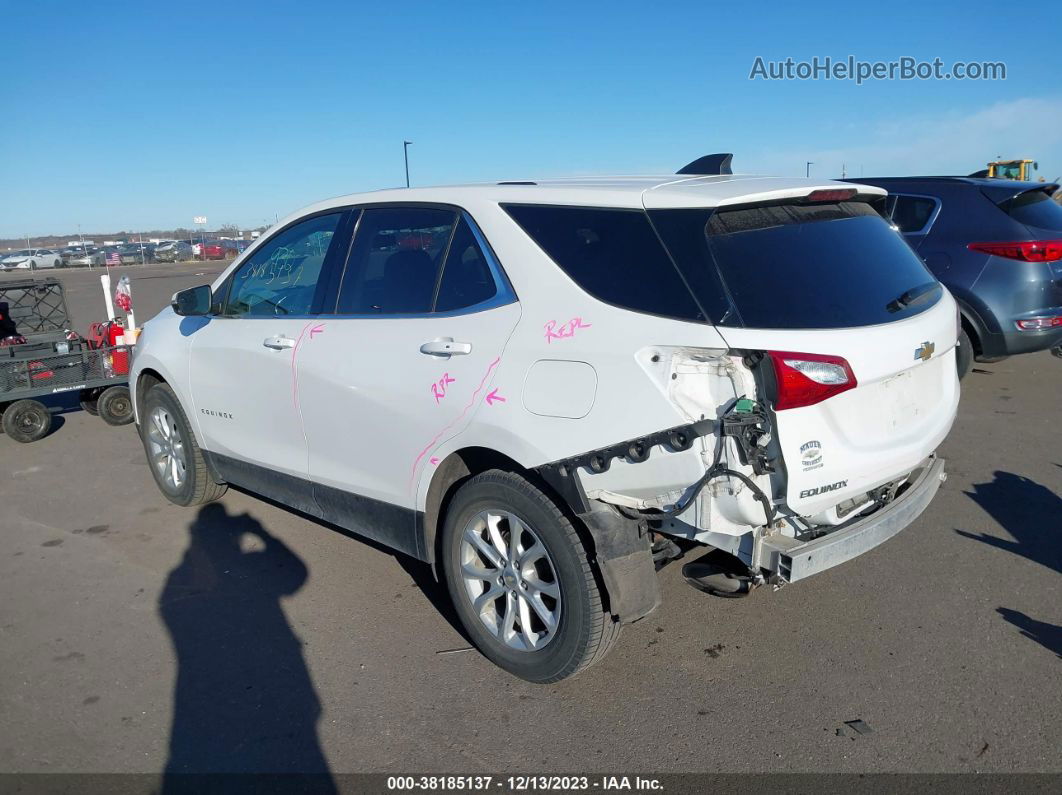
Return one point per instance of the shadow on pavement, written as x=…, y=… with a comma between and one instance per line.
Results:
x=244, y=701
x=1029, y=512
x=1047, y=635
x=421, y=573
x=1032, y=515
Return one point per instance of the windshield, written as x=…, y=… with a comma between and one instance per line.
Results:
x=798, y=266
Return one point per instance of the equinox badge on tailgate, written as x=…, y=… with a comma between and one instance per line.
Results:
x=840, y=484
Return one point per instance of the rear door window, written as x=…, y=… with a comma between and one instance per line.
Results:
x=613, y=254
x=1035, y=208
x=395, y=261
x=467, y=279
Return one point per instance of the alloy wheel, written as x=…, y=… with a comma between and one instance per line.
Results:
x=510, y=580
x=166, y=449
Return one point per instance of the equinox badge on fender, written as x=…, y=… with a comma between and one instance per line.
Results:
x=924, y=351
x=840, y=484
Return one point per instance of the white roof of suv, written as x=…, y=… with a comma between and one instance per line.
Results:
x=653, y=192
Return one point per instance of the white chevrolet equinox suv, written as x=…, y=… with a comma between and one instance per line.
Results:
x=545, y=389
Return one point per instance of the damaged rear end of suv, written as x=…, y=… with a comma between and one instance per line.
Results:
x=808, y=405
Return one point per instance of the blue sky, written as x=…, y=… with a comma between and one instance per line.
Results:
x=140, y=115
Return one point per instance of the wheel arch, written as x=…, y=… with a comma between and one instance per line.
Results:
x=146, y=379
x=449, y=475
x=148, y=375
x=971, y=322
x=463, y=464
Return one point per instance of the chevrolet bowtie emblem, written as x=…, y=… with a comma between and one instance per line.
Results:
x=925, y=351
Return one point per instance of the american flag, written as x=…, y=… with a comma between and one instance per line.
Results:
x=114, y=258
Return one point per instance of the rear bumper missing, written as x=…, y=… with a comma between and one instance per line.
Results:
x=794, y=560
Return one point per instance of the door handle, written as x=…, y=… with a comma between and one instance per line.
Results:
x=445, y=346
x=278, y=343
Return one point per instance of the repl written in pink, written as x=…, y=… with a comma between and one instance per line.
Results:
x=565, y=330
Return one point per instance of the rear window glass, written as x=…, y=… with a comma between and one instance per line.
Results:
x=613, y=254
x=1035, y=208
x=805, y=266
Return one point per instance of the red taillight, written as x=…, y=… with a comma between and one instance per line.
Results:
x=805, y=379
x=833, y=195
x=1027, y=250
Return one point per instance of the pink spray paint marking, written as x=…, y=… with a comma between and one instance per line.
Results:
x=565, y=330
x=471, y=402
x=433, y=461
x=295, y=370
x=493, y=396
x=438, y=389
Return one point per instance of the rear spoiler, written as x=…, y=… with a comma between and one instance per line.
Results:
x=709, y=165
x=1006, y=192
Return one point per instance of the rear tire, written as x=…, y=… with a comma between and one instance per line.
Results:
x=548, y=558
x=27, y=421
x=964, y=354
x=174, y=457
x=114, y=406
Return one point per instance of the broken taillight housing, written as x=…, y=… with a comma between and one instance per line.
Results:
x=805, y=379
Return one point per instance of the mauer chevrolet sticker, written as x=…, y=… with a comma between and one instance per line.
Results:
x=811, y=455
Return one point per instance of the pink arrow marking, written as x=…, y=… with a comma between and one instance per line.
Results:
x=316, y=330
x=494, y=396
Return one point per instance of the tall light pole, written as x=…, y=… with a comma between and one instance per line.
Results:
x=84, y=250
x=807, y=168
x=405, y=152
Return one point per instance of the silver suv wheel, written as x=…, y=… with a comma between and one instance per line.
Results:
x=166, y=448
x=510, y=580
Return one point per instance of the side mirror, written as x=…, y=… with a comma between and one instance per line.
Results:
x=193, y=302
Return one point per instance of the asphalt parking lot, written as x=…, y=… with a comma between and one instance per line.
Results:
x=136, y=636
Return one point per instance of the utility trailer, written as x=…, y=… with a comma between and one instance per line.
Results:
x=41, y=356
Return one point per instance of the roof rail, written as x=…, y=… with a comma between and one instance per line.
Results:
x=709, y=165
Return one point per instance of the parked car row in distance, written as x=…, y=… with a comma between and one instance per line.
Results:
x=126, y=254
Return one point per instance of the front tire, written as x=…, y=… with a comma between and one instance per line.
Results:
x=520, y=579
x=174, y=457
